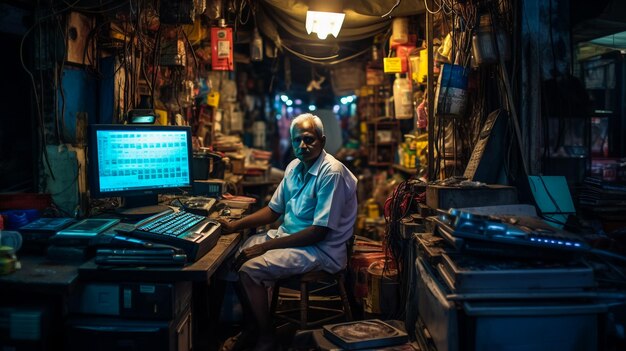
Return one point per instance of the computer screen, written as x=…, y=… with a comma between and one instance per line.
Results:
x=138, y=162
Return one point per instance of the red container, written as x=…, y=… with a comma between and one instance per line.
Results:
x=222, y=58
x=25, y=201
x=359, y=263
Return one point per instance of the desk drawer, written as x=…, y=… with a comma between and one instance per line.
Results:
x=106, y=334
x=131, y=300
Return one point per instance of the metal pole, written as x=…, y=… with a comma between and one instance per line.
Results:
x=430, y=91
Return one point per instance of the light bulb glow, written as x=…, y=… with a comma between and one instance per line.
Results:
x=324, y=23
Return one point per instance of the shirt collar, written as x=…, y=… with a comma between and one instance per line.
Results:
x=314, y=168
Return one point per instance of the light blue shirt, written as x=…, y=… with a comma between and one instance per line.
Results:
x=324, y=196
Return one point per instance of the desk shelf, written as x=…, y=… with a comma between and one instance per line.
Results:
x=382, y=142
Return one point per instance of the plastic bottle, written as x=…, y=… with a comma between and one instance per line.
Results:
x=402, y=97
x=256, y=46
x=375, y=53
x=258, y=131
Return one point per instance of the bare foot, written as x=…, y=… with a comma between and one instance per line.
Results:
x=239, y=342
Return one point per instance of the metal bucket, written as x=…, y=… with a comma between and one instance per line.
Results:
x=382, y=289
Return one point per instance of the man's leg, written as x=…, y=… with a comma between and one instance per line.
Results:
x=257, y=301
x=247, y=337
x=249, y=333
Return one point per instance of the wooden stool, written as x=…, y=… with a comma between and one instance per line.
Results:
x=328, y=280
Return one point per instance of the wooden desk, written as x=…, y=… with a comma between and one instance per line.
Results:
x=41, y=275
x=42, y=282
x=199, y=271
x=40, y=288
x=206, y=303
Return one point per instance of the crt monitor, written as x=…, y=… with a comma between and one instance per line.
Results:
x=138, y=162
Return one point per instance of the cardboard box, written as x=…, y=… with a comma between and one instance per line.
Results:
x=237, y=165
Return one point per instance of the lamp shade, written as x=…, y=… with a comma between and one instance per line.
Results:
x=324, y=23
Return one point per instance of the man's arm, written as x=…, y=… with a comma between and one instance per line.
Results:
x=259, y=218
x=308, y=236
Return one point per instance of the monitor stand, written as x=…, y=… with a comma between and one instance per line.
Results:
x=137, y=207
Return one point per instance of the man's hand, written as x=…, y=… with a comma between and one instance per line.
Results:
x=227, y=226
x=249, y=253
x=259, y=218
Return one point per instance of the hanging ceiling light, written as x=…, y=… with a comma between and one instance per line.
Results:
x=324, y=17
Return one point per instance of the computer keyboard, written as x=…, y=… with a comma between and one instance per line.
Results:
x=193, y=233
x=172, y=224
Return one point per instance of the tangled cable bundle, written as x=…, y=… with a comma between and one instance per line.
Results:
x=398, y=206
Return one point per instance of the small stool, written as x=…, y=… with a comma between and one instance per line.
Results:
x=328, y=280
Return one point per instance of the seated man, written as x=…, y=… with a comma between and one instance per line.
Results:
x=317, y=199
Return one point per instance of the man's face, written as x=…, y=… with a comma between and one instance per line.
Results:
x=307, y=145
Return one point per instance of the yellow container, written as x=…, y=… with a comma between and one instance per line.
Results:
x=392, y=64
x=372, y=209
x=195, y=32
x=414, y=65
x=213, y=99
x=161, y=117
x=423, y=66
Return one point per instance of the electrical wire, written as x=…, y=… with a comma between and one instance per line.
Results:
x=100, y=10
x=397, y=207
x=240, y=12
x=392, y=8
x=41, y=129
x=431, y=11
x=193, y=53
x=308, y=58
x=348, y=58
x=155, y=64
x=59, y=81
x=72, y=183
